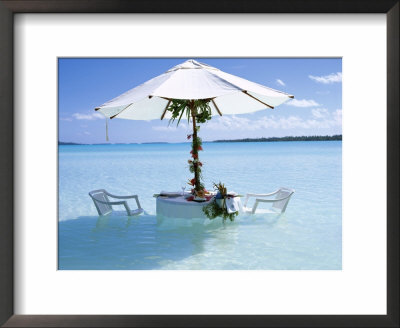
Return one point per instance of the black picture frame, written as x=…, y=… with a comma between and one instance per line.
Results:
x=10, y=7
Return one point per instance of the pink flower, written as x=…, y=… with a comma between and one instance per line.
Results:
x=199, y=148
x=189, y=136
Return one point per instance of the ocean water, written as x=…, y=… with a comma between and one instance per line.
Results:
x=307, y=237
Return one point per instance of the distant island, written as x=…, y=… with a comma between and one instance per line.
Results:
x=336, y=137
x=68, y=143
x=63, y=143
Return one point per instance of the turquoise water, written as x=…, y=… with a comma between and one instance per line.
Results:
x=308, y=236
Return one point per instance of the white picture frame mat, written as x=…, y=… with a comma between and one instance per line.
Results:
x=360, y=288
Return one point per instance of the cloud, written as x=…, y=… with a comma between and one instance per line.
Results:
x=170, y=128
x=280, y=82
x=302, y=103
x=87, y=133
x=67, y=119
x=320, y=118
x=88, y=117
x=337, y=116
x=319, y=112
x=327, y=79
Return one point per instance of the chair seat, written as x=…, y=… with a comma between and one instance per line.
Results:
x=260, y=211
x=136, y=212
x=246, y=209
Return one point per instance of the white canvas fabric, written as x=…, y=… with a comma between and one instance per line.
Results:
x=193, y=80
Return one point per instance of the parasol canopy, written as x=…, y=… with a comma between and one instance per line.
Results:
x=228, y=94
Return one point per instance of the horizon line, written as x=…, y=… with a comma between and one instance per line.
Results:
x=220, y=140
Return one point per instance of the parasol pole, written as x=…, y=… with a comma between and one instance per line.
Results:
x=195, y=151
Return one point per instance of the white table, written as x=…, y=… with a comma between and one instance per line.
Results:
x=177, y=212
x=179, y=207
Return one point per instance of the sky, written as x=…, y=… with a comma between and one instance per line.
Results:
x=86, y=83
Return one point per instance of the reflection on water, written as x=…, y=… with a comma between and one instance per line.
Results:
x=150, y=242
x=143, y=242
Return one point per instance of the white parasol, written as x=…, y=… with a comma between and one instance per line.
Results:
x=229, y=94
x=188, y=87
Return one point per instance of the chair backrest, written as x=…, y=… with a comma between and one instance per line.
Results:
x=282, y=193
x=100, y=194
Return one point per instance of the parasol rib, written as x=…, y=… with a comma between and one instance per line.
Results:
x=216, y=107
x=166, y=98
x=111, y=117
x=246, y=93
x=165, y=110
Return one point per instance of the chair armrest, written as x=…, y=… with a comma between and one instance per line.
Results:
x=262, y=195
x=126, y=197
x=122, y=202
x=248, y=195
x=272, y=200
x=110, y=203
x=120, y=197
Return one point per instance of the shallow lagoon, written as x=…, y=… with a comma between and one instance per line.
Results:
x=308, y=236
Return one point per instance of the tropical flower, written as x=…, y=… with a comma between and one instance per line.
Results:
x=189, y=136
x=190, y=162
x=195, y=156
x=199, y=148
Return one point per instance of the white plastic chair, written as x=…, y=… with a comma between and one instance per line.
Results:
x=103, y=204
x=279, y=203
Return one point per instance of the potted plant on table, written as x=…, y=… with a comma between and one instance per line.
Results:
x=217, y=206
x=221, y=193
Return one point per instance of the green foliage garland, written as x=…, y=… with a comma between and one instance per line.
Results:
x=179, y=107
x=213, y=210
x=201, y=111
